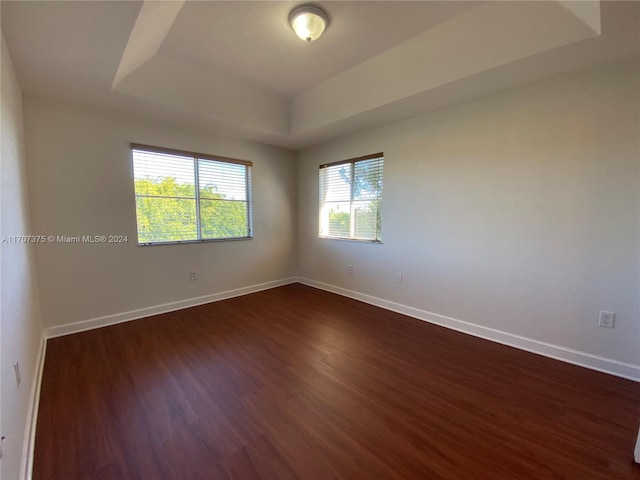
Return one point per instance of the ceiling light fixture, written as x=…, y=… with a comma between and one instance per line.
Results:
x=308, y=22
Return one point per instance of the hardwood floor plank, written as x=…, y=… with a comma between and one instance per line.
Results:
x=297, y=383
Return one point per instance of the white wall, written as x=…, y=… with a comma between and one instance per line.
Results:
x=20, y=325
x=518, y=213
x=81, y=183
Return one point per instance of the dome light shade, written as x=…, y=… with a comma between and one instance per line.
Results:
x=308, y=22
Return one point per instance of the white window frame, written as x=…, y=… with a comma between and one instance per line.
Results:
x=197, y=157
x=352, y=203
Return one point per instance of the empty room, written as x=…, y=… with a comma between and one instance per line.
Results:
x=336, y=239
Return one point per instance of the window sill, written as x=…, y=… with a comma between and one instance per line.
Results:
x=358, y=240
x=206, y=240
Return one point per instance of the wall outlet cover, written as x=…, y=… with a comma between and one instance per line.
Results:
x=606, y=319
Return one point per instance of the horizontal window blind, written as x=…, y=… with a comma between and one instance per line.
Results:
x=351, y=198
x=189, y=197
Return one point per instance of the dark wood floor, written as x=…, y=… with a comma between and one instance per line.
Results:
x=299, y=383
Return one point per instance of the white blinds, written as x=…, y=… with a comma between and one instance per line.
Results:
x=169, y=207
x=351, y=198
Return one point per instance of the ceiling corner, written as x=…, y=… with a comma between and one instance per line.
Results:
x=151, y=28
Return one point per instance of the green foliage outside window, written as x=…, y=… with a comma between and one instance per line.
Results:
x=167, y=212
x=351, y=199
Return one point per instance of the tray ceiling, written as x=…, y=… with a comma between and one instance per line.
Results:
x=236, y=68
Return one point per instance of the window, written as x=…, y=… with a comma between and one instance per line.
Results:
x=190, y=197
x=351, y=199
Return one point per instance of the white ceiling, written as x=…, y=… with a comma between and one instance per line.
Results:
x=236, y=68
x=254, y=41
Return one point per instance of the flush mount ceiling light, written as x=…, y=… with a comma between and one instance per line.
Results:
x=308, y=22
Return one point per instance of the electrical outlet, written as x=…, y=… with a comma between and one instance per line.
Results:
x=350, y=269
x=399, y=277
x=607, y=319
x=16, y=370
x=193, y=276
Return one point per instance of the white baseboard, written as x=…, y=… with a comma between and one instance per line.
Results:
x=594, y=362
x=26, y=468
x=606, y=365
x=583, y=359
x=92, y=323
